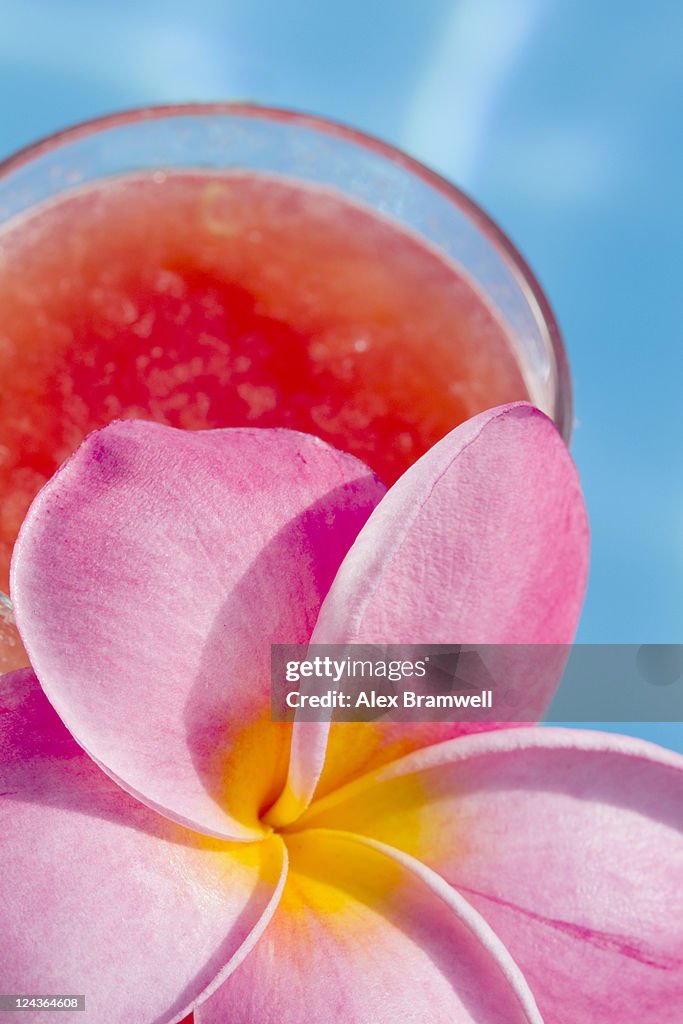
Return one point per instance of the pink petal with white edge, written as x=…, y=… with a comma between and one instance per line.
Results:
x=364, y=934
x=483, y=541
x=105, y=898
x=569, y=843
x=149, y=580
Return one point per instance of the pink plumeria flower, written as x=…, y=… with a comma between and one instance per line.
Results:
x=167, y=848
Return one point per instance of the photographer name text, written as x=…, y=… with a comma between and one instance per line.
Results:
x=373, y=699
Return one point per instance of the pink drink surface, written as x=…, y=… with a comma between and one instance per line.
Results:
x=212, y=301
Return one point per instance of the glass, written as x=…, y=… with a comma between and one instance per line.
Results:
x=247, y=137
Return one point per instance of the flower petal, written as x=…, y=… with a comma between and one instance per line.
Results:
x=149, y=580
x=569, y=843
x=365, y=934
x=483, y=541
x=103, y=897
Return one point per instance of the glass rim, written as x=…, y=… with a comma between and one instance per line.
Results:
x=524, y=275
